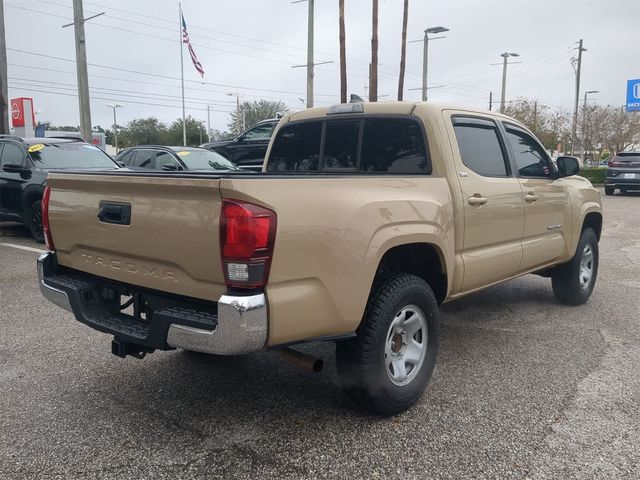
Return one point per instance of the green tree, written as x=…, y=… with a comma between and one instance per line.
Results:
x=196, y=132
x=143, y=131
x=254, y=112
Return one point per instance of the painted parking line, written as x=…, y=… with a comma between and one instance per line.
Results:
x=22, y=247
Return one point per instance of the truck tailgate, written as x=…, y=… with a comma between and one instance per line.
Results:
x=170, y=243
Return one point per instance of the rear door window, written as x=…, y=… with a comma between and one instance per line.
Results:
x=480, y=146
x=13, y=154
x=296, y=148
x=144, y=158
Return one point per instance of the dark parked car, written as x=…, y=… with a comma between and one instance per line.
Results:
x=24, y=164
x=248, y=149
x=171, y=159
x=623, y=172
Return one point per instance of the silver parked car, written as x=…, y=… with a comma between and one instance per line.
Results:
x=623, y=173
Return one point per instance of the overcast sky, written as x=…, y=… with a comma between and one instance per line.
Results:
x=249, y=46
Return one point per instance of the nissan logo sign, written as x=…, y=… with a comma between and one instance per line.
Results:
x=15, y=110
x=636, y=90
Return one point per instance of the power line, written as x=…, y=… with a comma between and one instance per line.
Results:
x=163, y=76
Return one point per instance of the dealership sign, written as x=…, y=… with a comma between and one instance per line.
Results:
x=633, y=95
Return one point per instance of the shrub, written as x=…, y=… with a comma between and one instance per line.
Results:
x=595, y=175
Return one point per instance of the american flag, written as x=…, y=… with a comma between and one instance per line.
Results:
x=185, y=39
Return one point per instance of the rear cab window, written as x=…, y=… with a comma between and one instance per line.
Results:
x=362, y=144
x=480, y=146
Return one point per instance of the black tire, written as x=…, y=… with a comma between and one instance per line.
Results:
x=361, y=362
x=567, y=281
x=609, y=190
x=34, y=221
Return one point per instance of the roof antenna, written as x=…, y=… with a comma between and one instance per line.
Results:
x=355, y=98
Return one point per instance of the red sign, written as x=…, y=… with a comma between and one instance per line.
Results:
x=19, y=111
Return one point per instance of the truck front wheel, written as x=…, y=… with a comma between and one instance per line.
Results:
x=573, y=281
x=387, y=366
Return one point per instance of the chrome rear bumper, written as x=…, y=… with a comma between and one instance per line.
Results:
x=238, y=325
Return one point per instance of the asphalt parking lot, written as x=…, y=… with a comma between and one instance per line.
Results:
x=524, y=388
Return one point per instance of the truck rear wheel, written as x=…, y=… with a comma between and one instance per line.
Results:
x=387, y=366
x=573, y=281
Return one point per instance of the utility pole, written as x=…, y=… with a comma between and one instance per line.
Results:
x=535, y=117
x=373, y=68
x=505, y=56
x=237, y=95
x=403, y=50
x=115, y=122
x=4, y=91
x=490, y=100
x=584, y=126
x=343, y=54
x=310, y=54
x=577, y=98
x=81, y=69
x=209, y=122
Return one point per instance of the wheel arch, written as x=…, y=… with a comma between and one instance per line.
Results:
x=425, y=260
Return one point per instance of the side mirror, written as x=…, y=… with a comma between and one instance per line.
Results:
x=13, y=168
x=568, y=166
x=240, y=139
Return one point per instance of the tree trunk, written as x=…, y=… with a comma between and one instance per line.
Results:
x=373, y=73
x=343, y=56
x=403, y=51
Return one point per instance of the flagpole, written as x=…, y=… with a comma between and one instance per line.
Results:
x=184, y=124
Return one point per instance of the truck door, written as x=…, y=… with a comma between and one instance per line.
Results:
x=493, y=202
x=547, y=218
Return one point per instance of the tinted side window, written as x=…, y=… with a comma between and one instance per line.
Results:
x=531, y=159
x=12, y=154
x=341, y=144
x=144, y=158
x=261, y=132
x=393, y=145
x=126, y=157
x=165, y=158
x=480, y=147
x=296, y=148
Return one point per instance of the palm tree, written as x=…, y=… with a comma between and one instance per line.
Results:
x=373, y=69
x=343, y=57
x=403, y=52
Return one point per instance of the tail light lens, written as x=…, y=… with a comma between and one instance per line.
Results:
x=614, y=163
x=46, y=229
x=247, y=237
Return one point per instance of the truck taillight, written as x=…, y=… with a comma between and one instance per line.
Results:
x=247, y=237
x=46, y=229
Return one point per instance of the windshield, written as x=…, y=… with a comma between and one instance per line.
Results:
x=205, y=160
x=69, y=155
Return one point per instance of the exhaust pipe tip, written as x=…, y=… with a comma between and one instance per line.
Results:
x=302, y=360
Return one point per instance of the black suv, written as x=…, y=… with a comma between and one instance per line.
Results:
x=171, y=159
x=248, y=149
x=623, y=172
x=24, y=165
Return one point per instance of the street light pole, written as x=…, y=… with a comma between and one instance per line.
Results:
x=115, y=123
x=574, y=126
x=505, y=56
x=584, y=125
x=425, y=54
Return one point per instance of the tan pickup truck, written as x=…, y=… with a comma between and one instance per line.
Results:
x=365, y=218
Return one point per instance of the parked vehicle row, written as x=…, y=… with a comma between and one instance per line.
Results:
x=365, y=219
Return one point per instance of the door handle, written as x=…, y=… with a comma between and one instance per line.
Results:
x=477, y=200
x=530, y=197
